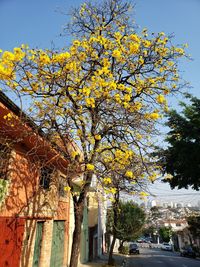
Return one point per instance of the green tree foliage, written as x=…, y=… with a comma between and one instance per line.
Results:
x=181, y=159
x=149, y=230
x=194, y=225
x=131, y=219
x=165, y=233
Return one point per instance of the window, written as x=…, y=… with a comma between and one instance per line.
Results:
x=4, y=161
x=45, y=177
x=62, y=184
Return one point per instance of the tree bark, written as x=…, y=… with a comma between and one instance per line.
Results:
x=79, y=204
x=78, y=215
x=115, y=210
x=110, y=258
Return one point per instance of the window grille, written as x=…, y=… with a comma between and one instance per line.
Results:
x=45, y=177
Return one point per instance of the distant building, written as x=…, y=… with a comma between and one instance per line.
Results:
x=165, y=205
x=153, y=203
x=175, y=224
x=179, y=205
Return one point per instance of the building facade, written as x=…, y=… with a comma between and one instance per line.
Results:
x=34, y=208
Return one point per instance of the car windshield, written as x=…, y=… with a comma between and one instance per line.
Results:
x=166, y=244
x=133, y=245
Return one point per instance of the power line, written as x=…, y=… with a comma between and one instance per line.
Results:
x=186, y=194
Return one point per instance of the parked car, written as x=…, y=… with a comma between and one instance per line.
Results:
x=166, y=246
x=188, y=252
x=134, y=249
x=140, y=241
x=145, y=240
x=148, y=240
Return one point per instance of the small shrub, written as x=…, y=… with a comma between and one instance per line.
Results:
x=124, y=250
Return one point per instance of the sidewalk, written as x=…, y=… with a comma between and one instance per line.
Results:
x=102, y=262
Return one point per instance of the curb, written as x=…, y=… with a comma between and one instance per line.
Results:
x=120, y=261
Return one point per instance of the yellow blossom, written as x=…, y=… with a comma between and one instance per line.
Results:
x=162, y=33
x=60, y=58
x=136, y=106
x=97, y=137
x=86, y=91
x=8, y=56
x=129, y=174
x=67, y=188
x=107, y=180
x=19, y=54
x=90, y=167
x=143, y=194
x=180, y=51
x=154, y=116
x=145, y=53
x=44, y=59
x=76, y=43
x=133, y=48
x=127, y=97
x=74, y=154
x=118, y=35
x=116, y=53
x=153, y=177
x=160, y=99
x=90, y=102
x=8, y=117
x=146, y=43
x=6, y=73
x=134, y=38
x=118, y=98
x=111, y=190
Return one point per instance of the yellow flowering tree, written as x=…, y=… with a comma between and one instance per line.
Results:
x=122, y=172
x=105, y=92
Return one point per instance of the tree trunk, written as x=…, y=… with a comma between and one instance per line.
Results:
x=78, y=215
x=110, y=258
x=78, y=219
x=115, y=210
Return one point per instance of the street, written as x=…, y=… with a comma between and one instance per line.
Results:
x=158, y=258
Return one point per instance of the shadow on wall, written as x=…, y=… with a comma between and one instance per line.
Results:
x=32, y=196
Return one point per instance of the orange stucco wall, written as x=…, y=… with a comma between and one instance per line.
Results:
x=25, y=198
x=11, y=238
x=23, y=177
x=26, y=203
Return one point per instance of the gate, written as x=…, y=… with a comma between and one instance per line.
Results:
x=57, y=248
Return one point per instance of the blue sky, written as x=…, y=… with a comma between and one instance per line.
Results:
x=181, y=18
x=39, y=23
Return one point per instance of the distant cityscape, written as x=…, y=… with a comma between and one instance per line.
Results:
x=172, y=215
x=170, y=204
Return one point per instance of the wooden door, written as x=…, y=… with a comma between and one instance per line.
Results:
x=57, y=248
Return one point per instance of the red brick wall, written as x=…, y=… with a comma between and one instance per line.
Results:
x=11, y=238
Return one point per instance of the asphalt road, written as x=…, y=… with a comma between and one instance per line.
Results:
x=158, y=258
